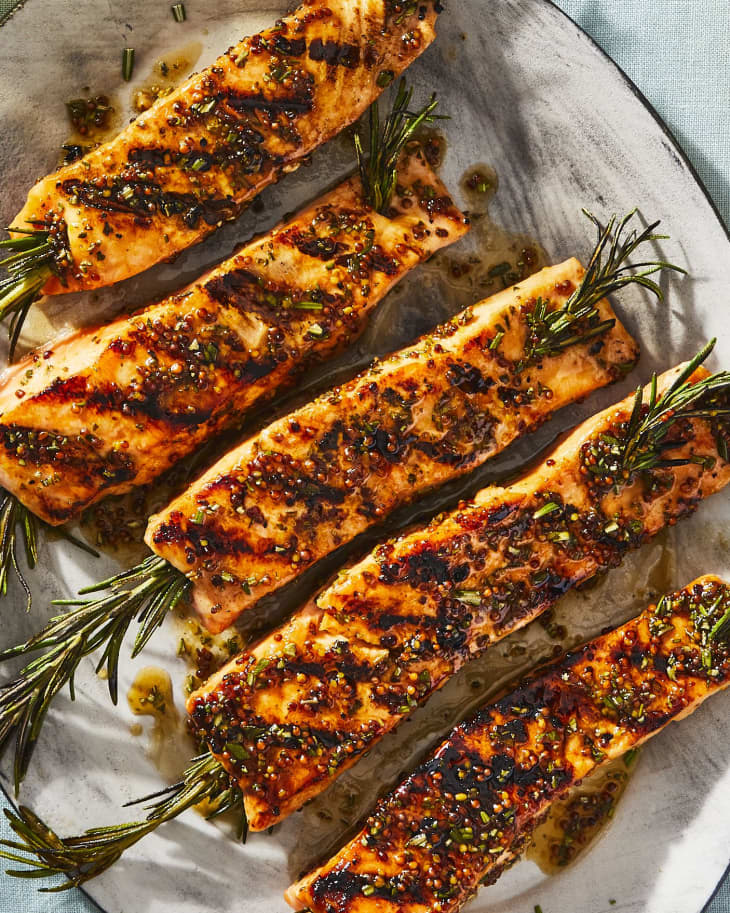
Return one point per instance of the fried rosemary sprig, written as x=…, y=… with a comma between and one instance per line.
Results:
x=144, y=594
x=644, y=442
x=88, y=855
x=608, y=271
x=379, y=168
x=29, y=265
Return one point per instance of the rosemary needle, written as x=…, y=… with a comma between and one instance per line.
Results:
x=29, y=262
x=608, y=271
x=16, y=519
x=127, y=63
x=88, y=855
x=17, y=523
x=644, y=443
x=379, y=169
x=178, y=12
x=146, y=593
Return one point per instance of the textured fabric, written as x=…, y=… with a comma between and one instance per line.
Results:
x=678, y=54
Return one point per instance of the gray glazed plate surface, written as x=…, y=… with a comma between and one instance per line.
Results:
x=531, y=96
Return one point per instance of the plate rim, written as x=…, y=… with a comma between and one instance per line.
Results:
x=690, y=166
x=686, y=163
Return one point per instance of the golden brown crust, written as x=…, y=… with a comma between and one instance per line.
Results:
x=113, y=407
x=323, y=474
x=307, y=701
x=200, y=154
x=448, y=826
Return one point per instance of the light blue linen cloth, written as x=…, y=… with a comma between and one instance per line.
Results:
x=678, y=53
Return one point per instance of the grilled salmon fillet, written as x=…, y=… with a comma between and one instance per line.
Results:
x=113, y=407
x=321, y=475
x=288, y=716
x=455, y=821
x=198, y=155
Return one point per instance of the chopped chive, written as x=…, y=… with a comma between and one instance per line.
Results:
x=546, y=509
x=178, y=12
x=494, y=344
x=718, y=628
x=308, y=305
x=127, y=64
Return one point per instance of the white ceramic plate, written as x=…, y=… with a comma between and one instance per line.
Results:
x=533, y=97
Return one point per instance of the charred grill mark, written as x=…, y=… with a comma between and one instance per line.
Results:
x=289, y=106
x=374, y=260
x=335, y=53
x=200, y=540
x=468, y=378
x=291, y=47
x=475, y=799
x=144, y=200
x=178, y=394
x=80, y=455
x=241, y=150
x=276, y=303
x=319, y=248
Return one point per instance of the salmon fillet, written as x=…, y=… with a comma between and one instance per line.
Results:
x=455, y=821
x=110, y=408
x=290, y=715
x=198, y=155
x=321, y=475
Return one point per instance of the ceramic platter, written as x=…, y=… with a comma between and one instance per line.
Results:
x=532, y=97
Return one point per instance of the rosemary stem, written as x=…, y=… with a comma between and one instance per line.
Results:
x=15, y=520
x=379, y=169
x=29, y=264
x=579, y=319
x=83, y=857
x=144, y=594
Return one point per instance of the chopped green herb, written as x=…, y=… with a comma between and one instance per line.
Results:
x=178, y=12
x=545, y=510
x=494, y=344
x=127, y=63
x=470, y=597
x=499, y=270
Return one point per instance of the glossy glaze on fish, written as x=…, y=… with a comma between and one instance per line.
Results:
x=302, y=706
x=198, y=155
x=455, y=822
x=113, y=407
x=321, y=475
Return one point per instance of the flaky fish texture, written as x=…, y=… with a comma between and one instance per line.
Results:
x=456, y=821
x=287, y=717
x=318, y=477
x=113, y=407
x=200, y=154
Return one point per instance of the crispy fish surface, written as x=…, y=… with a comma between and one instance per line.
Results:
x=113, y=407
x=321, y=475
x=455, y=821
x=288, y=716
x=198, y=155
